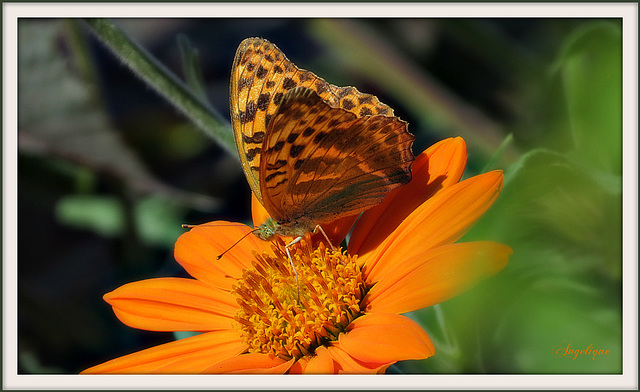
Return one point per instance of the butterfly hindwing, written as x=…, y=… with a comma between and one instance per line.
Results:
x=321, y=162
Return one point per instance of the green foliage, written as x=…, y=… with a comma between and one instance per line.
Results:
x=103, y=215
x=191, y=67
x=561, y=212
x=157, y=219
x=591, y=69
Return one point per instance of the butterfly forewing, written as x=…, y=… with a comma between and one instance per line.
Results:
x=260, y=77
x=322, y=162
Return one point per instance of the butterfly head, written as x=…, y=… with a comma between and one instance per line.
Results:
x=267, y=230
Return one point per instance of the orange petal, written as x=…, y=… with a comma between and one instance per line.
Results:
x=438, y=167
x=435, y=276
x=185, y=356
x=345, y=363
x=198, y=249
x=385, y=338
x=442, y=219
x=252, y=364
x=338, y=229
x=173, y=304
x=320, y=363
x=259, y=214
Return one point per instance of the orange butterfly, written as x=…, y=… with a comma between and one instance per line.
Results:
x=312, y=152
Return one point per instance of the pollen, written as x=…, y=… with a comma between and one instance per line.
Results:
x=288, y=318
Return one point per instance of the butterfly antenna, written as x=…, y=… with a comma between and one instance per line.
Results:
x=234, y=244
x=186, y=226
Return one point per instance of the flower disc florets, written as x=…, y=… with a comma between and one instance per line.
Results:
x=289, y=319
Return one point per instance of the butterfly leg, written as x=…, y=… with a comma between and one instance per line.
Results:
x=286, y=248
x=319, y=228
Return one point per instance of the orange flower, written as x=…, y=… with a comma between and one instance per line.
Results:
x=343, y=314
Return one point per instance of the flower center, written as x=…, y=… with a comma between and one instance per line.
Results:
x=290, y=320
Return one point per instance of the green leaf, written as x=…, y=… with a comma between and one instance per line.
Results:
x=159, y=221
x=497, y=156
x=191, y=67
x=591, y=69
x=102, y=214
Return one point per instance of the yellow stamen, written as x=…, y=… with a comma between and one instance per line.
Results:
x=274, y=321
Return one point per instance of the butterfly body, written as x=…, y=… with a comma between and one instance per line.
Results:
x=312, y=152
x=270, y=228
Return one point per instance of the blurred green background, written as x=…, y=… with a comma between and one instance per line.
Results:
x=108, y=170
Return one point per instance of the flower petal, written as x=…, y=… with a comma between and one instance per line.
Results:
x=346, y=364
x=320, y=363
x=198, y=249
x=252, y=364
x=189, y=355
x=435, y=276
x=338, y=229
x=441, y=220
x=173, y=304
x=438, y=167
x=386, y=338
x=258, y=212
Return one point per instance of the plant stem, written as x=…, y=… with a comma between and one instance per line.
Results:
x=149, y=69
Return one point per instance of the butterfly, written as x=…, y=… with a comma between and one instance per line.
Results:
x=312, y=152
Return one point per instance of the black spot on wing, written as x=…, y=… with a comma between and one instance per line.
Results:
x=318, y=138
x=252, y=152
x=365, y=99
x=276, y=165
x=261, y=72
x=296, y=150
x=249, y=114
x=277, y=98
x=244, y=83
x=304, y=76
x=288, y=83
x=365, y=111
x=308, y=132
x=263, y=101
x=257, y=138
x=278, y=183
x=274, y=175
x=277, y=147
x=347, y=104
x=321, y=86
x=292, y=137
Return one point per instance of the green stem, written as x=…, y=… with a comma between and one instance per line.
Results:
x=164, y=82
